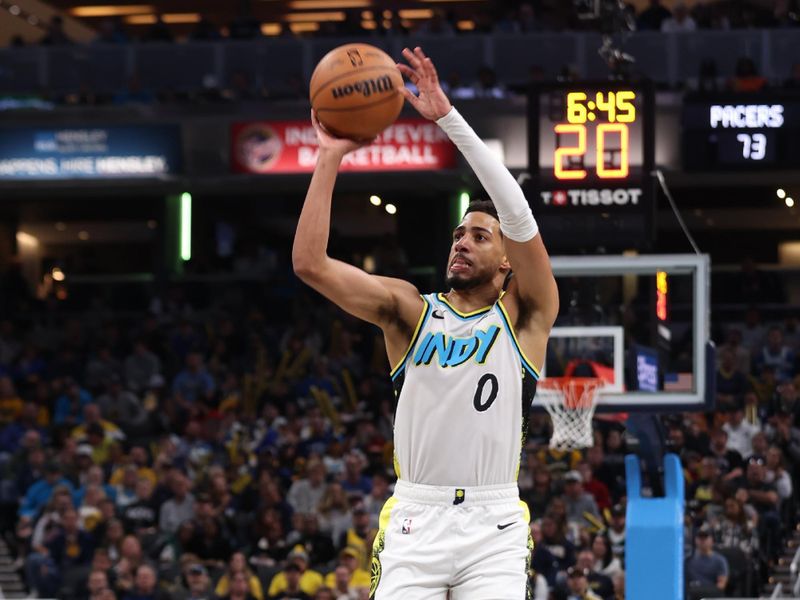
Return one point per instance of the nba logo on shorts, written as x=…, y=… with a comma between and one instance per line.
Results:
x=406, y=526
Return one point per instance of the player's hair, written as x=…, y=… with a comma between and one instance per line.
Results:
x=484, y=206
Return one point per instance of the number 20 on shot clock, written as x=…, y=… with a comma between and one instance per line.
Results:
x=591, y=153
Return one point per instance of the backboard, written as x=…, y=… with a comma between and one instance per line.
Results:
x=641, y=323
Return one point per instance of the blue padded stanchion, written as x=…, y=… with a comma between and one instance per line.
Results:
x=654, y=535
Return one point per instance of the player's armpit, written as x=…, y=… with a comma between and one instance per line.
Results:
x=533, y=285
x=391, y=304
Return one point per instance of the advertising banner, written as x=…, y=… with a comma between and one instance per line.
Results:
x=266, y=147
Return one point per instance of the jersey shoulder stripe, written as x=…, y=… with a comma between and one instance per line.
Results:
x=423, y=317
x=528, y=364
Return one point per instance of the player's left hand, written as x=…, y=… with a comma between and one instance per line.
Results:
x=337, y=145
x=432, y=102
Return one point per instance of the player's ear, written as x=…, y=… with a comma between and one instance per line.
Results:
x=505, y=266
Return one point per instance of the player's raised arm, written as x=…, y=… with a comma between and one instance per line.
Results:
x=383, y=301
x=534, y=285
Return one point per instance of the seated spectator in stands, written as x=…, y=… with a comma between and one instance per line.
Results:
x=238, y=564
x=293, y=589
x=595, y=487
x=39, y=493
x=93, y=415
x=351, y=560
x=740, y=433
x=782, y=432
x=616, y=531
x=10, y=403
x=13, y=434
x=599, y=583
x=353, y=480
x=140, y=366
x=359, y=536
x=198, y=585
x=70, y=550
x=69, y=406
x=580, y=505
x=193, y=386
x=377, y=497
x=578, y=585
x=538, y=497
x=777, y=355
x=309, y=580
x=706, y=570
x=179, y=508
x=761, y=495
x=735, y=528
x=318, y=545
x=137, y=457
x=240, y=589
x=122, y=407
x=747, y=78
x=555, y=541
x=141, y=516
x=97, y=584
x=604, y=560
x=100, y=368
x=680, y=21
x=741, y=354
x=145, y=585
x=125, y=491
x=776, y=473
x=732, y=384
x=558, y=461
x=306, y=492
x=653, y=17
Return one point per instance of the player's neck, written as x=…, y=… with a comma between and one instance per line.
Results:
x=473, y=299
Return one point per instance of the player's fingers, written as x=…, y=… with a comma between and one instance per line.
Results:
x=412, y=60
x=431, y=69
x=410, y=96
x=408, y=72
x=314, y=119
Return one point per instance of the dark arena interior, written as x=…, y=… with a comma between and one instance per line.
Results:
x=181, y=417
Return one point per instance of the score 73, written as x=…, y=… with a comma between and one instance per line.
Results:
x=754, y=145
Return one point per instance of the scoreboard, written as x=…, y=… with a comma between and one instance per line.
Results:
x=591, y=155
x=741, y=131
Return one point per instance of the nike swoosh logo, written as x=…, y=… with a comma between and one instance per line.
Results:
x=437, y=315
x=501, y=527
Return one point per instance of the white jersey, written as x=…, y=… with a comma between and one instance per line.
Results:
x=463, y=392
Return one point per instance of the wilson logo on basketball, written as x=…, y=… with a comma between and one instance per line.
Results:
x=366, y=87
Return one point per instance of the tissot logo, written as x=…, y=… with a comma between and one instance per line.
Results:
x=592, y=197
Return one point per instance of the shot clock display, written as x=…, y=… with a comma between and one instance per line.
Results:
x=729, y=131
x=591, y=153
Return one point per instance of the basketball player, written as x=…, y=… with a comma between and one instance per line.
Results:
x=465, y=371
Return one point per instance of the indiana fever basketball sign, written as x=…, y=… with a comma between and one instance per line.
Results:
x=291, y=147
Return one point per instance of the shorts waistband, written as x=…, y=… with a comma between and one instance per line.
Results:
x=454, y=495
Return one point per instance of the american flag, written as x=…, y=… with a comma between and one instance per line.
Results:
x=678, y=382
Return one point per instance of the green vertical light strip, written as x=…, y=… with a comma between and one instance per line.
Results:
x=463, y=203
x=186, y=226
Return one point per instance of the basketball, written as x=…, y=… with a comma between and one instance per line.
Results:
x=354, y=90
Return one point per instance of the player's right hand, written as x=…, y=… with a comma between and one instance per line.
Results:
x=432, y=102
x=331, y=143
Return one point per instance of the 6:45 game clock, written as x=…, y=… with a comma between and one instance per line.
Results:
x=591, y=156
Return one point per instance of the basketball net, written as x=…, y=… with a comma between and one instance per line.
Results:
x=570, y=402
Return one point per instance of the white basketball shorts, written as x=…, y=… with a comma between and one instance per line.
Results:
x=473, y=542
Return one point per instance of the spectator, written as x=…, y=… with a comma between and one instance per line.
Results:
x=179, y=508
x=198, y=584
x=293, y=590
x=706, y=570
x=761, y=495
x=193, y=385
x=728, y=459
x=144, y=585
x=141, y=515
x=580, y=505
x=740, y=433
x=354, y=481
x=605, y=562
x=616, y=531
x=238, y=564
x=351, y=559
x=732, y=384
x=140, y=367
x=776, y=355
x=69, y=406
x=736, y=529
x=334, y=511
x=309, y=581
x=600, y=584
x=555, y=541
x=652, y=18
x=306, y=492
x=578, y=585
x=680, y=21
x=240, y=589
x=10, y=403
x=97, y=584
x=377, y=497
x=776, y=474
x=39, y=493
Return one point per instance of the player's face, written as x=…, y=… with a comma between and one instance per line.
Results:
x=476, y=254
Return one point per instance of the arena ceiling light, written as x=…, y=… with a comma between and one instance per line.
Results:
x=119, y=10
x=303, y=27
x=391, y=209
x=271, y=28
x=317, y=4
x=331, y=15
x=789, y=201
x=781, y=193
x=375, y=200
x=415, y=13
x=186, y=226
